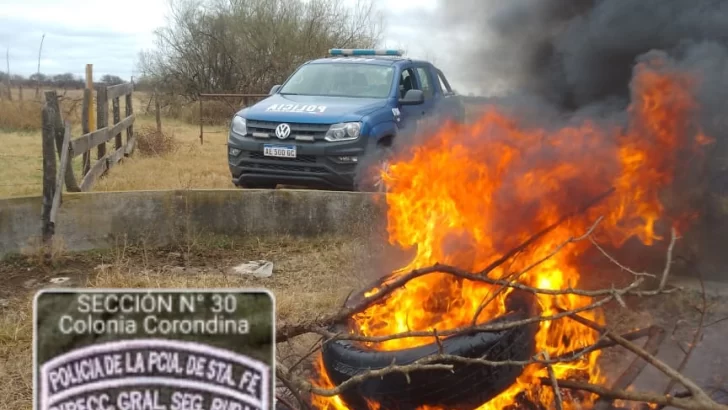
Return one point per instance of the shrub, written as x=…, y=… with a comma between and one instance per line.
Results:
x=150, y=142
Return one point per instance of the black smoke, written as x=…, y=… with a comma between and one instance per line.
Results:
x=553, y=62
x=579, y=55
x=577, y=52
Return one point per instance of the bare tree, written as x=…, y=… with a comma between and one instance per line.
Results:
x=110, y=79
x=250, y=45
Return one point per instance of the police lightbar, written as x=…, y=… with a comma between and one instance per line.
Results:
x=364, y=52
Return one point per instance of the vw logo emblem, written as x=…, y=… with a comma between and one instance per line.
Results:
x=283, y=131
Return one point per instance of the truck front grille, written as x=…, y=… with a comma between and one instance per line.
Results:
x=317, y=131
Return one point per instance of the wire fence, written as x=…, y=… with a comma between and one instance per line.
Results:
x=20, y=174
x=219, y=109
x=20, y=156
x=25, y=170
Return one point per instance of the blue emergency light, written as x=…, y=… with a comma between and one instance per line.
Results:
x=364, y=52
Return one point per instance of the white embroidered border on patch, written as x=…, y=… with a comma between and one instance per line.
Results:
x=106, y=350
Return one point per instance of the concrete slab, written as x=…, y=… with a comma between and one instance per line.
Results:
x=102, y=219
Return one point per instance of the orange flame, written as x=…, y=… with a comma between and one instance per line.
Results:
x=469, y=193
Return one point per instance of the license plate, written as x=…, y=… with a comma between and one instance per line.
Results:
x=281, y=151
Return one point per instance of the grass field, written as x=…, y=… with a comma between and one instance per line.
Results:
x=188, y=165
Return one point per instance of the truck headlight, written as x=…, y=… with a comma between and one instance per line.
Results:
x=239, y=125
x=343, y=131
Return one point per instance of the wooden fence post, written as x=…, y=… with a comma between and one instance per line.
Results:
x=91, y=123
x=102, y=113
x=20, y=92
x=129, y=108
x=49, y=171
x=116, y=110
x=52, y=100
x=86, y=113
x=59, y=179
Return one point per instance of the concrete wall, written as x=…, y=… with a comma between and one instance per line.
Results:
x=103, y=219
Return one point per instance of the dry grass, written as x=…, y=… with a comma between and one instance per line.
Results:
x=16, y=342
x=189, y=166
x=184, y=164
x=154, y=143
x=24, y=115
x=310, y=277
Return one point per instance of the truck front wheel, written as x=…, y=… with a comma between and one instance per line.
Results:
x=370, y=178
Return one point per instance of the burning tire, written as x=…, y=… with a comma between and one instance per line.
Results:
x=467, y=386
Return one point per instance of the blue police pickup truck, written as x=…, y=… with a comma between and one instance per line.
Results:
x=334, y=115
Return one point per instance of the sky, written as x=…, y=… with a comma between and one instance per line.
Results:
x=110, y=34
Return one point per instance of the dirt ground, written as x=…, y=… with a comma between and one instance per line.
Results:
x=311, y=277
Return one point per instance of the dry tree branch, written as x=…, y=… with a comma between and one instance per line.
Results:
x=610, y=294
x=465, y=329
x=604, y=343
x=305, y=386
x=715, y=322
x=512, y=280
x=425, y=364
x=287, y=331
x=558, y=400
x=698, y=332
x=285, y=401
x=696, y=392
x=655, y=337
x=637, y=396
x=313, y=349
x=544, y=231
x=436, y=362
x=281, y=375
x=665, y=272
x=444, y=362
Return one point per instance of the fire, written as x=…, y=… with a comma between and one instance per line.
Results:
x=469, y=193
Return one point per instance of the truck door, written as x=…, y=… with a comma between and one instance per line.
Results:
x=410, y=114
x=450, y=103
x=427, y=85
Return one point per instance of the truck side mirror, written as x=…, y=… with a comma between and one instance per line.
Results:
x=274, y=89
x=413, y=97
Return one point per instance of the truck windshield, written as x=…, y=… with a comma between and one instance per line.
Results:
x=341, y=80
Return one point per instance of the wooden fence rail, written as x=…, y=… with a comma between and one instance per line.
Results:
x=57, y=134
